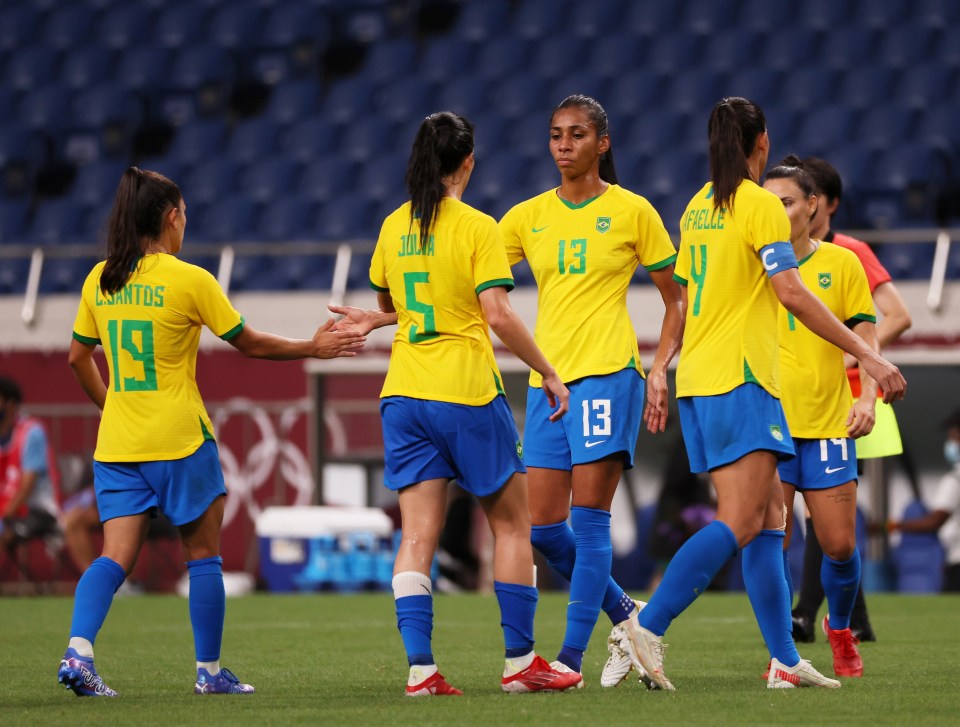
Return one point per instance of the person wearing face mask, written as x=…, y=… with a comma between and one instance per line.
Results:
x=944, y=515
x=28, y=474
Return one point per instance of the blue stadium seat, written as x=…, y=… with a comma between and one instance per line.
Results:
x=19, y=26
x=516, y=97
x=704, y=17
x=540, y=20
x=790, y=49
x=442, y=55
x=367, y=137
x=303, y=272
x=46, y=108
x=65, y=275
x=32, y=67
x=21, y=150
x=390, y=60
x=904, y=44
x=500, y=57
x=125, y=25
x=867, y=88
x=675, y=173
x=926, y=86
x=851, y=46
x=764, y=17
x=200, y=64
x=14, y=222
x=886, y=14
x=69, y=25
x=941, y=14
x=906, y=261
x=328, y=178
x=253, y=272
x=198, y=141
x=693, y=91
x=382, y=177
x=287, y=219
x=918, y=558
x=291, y=101
x=634, y=93
x=595, y=20
x=13, y=275
x=763, y=85
x=654, y=132
x=173, y=169
x=144, y=68
x=309, y=139
x=810, y=87
x=468, y=96
x=783, y=125
x=826, y=15
x=674, y=52
x=406, y=98
x=730, y=51
x=497, y=177
x=350, y=218
x=237, y=24
x=227, y=219
x=87, y=65
x=270, y=179
x=886, y=127
x=358, y=277
x=349, y=100
x=58, y=221
x=366, y=22
x=107, y=116
x=96, y=183
x=651, y=19
x=906, y=163
x=289, y=23
x=253, y=140
x=939, y=122
x=211, y=181
x=483, y=21
x=559, y=56
x=618, y=53
x=180, y=24
x=824, y=129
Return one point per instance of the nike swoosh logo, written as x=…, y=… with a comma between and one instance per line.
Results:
x=570, y=603
x=593, y=444
x=831, y=470
x=535, y=230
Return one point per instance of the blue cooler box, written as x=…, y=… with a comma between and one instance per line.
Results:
x=326, y=548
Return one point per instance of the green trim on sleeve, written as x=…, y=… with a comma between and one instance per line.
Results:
x=86, y=341
x=859, y=318
x=499, y=283
x=378, y=288
x=660, y=265
x=235, y=331
x=681, y=281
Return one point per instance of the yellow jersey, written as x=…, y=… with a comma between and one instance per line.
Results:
x=583, y=257
x=150, y=330
x=816, y=395
x=730, y=337
x=442, y=349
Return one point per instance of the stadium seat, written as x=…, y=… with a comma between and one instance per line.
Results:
x=19, y=26
x=886, y=14
x=328, y=178
x=294, y=100
x=467, y=96
x=928, y=85
x=358, y=277
x=705, y=17
x=196, y=66
x=228, y=219
x=198, y=141
x=674, y=52
x=406, y=98
x=106, y=115
x=497, y=177
x=87, y=65
x=940, y=14
x=764, y=17
x=918, y=558
x=826, y=15
x=516, y=97
x=382, y=177
x=690, y=92
x=46, y=108
x=648, y=20
x=762, y=85
x=906, y=163
x=13, y=273
x=824, y=129
x=790, y=49
x=96, y=183
x=807, y=89
x=540, y=20
x=58, y=221
x=65, y=275
x=595, y=21
x=556, y=57
x=14, y=221
x=125, y=26
x=904, y=44
x=180, y=24
x=444, y=55
x=634, y=93
x=499, y=58
x=938, y=122
x=390, y=60
x=847, y=46
x=253, y=140
x=32, y=67
x=270, y=179
x=483, y=21
x=21, y=151
x=730, y=51
x=211, y=180
x=68, y=26
x=347, y=219
x=144, y=68
x=288, y=23
x=654, y=132
x=289, y=218
x=619, y=51
x=308, y=139
x=237, y=24
x=906, y=261
x=887, y=127
x=348, y=100
x=867, y=88
x=367, y=137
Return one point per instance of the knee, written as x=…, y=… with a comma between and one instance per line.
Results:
x=839, y=546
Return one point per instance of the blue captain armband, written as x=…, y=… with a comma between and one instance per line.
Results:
x=777, y=257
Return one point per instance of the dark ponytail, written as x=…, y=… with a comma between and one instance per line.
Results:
x=597, y=114
x=793, y=168
x=443, y=141
x=142, y=199
x=734, y=126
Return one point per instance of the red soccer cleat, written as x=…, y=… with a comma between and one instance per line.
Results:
x=433, y=686
x=846, y=658
x=540, y=677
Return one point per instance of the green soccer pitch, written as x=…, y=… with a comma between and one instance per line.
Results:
x=338, y=660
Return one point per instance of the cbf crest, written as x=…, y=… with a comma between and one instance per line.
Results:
x=603, y=224
x=825, y=280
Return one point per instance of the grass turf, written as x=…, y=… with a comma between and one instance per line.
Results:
x=331, y=659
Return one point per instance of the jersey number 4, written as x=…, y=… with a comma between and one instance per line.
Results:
x=136, y=338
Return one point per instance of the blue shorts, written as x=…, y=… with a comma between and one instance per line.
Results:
x=182, y=488
x=604, y=419
x=719, y=430
x=479, y=446
x=821, y=464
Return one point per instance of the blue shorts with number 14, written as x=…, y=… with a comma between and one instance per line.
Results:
x=604, y=419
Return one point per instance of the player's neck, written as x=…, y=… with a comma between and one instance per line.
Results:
x=804, y=248
x=580, y=189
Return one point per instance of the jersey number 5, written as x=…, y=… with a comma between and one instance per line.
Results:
x=136, y=338
x=429, y=330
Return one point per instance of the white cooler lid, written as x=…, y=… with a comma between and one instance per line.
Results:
x=313, y=521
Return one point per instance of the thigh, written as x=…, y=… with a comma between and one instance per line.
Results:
x=748, y=493
x=595, y=483
x=834, y=515
x=123, y=537
x=549, y=494
x=422, y=511
x=201, y=537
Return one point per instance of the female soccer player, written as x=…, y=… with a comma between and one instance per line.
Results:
x=583, y=241
x=440, y=271
x=824, y=419
x=735, y=263
x=155, y=447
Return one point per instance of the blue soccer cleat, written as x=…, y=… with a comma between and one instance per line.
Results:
x=78, y=673
x=225, y=682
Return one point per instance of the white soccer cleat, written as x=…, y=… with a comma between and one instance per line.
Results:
x=794, y=677
x=621, y=658
x=560, y=667
x=648, y=648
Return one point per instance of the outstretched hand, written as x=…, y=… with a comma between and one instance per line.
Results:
x=332, y=343
x=355, y=320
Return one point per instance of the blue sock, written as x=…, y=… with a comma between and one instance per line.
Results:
x=208, y=606
x=767, y=589
x=518, y=605
x=788, y=576
x=93, y=597
x=558, y=545
x=841, y=580
x=591, y=572
x=415, y=622
x=688, y=575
